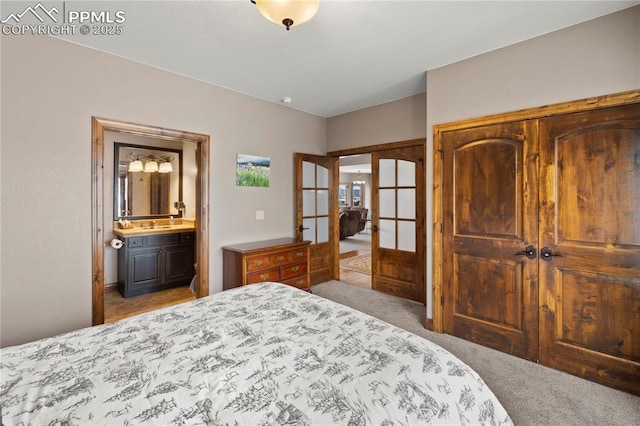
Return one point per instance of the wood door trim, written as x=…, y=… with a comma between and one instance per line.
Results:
x=375, y=148
x=98, y=128
x=617, y=99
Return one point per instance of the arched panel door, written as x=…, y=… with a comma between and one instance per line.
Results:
x=315, y=212
x=590, y=245
x=490, y=282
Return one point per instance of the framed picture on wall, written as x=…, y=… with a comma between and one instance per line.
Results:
x=252, y=170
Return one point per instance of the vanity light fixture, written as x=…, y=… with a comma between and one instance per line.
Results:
x=287, y=12
x=150, y=166
x=165, y=168
x=152, y=163
x=135, y=166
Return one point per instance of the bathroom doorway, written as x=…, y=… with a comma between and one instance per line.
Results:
x=101, y=128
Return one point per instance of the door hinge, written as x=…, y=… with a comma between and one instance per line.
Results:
x=441, y=151
x=442, y=227
x=441, y=300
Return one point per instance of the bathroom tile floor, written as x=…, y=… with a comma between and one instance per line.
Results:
x=117, y=307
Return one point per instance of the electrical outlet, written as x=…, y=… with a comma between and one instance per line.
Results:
x=259, y=214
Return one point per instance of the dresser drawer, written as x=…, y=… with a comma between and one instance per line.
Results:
x=300, y=254
x=280, y=259
x=298, y=282
x=294, y=270
x=257, y=262
x=272, y=274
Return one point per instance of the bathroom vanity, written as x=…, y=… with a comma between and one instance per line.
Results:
x=153, y=259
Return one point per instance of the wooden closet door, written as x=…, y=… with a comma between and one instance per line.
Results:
x=590, y=237
x=490, y=214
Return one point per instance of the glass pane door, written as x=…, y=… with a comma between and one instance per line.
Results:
x=316, y=207
x=398, y=243
x=315, y=202
x=397, y=205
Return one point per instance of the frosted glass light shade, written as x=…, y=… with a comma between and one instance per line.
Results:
x=150, y=167
x=165, y=168
x=288, y=12
x=135, y=166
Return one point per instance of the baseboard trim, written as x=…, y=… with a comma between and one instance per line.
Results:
x=108, y=288
x=428, y=323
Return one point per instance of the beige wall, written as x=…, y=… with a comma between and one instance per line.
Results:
x=594, y=58
x=395, y=121
x=50, y=89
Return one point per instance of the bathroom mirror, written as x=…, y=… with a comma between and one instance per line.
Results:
x=147, y=182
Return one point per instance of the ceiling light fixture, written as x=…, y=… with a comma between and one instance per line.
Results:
x=287, y=12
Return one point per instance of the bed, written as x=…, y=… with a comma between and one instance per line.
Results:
x=264, y=354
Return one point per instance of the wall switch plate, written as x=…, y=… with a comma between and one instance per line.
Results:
x=259, y=214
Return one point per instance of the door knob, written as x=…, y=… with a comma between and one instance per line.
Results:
x=375, y=228
x=301, y=228
x=529, y=251
x=546, y=254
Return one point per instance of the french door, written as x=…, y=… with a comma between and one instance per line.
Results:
x=397, y=211
x=316, y=212
x=398, y=222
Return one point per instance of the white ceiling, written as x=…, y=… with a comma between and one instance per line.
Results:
x=360, y=163
x=352, y=55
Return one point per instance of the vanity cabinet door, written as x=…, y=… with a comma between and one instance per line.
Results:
x=155, y=262
x=178, y=262
x=144, y=268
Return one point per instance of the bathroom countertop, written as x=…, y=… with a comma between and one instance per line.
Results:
x=163, y=229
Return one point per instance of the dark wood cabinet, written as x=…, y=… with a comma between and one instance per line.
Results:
x=284, y=260
x=155, y=262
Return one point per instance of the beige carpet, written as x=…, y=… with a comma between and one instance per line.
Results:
x=358, y=242
x=533, y=395
x=360, y=263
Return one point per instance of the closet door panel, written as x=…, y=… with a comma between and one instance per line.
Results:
x=590, y=231
x=490, y=218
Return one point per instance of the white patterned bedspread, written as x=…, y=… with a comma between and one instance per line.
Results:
x=264, y=354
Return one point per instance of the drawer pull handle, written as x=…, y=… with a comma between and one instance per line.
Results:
x=258, y=262
x=280, y=258
x=295, y=269
x=299, y=254
x=264, y=276
x=300, y=282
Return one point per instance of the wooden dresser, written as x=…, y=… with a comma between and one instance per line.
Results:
x=284, y=260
